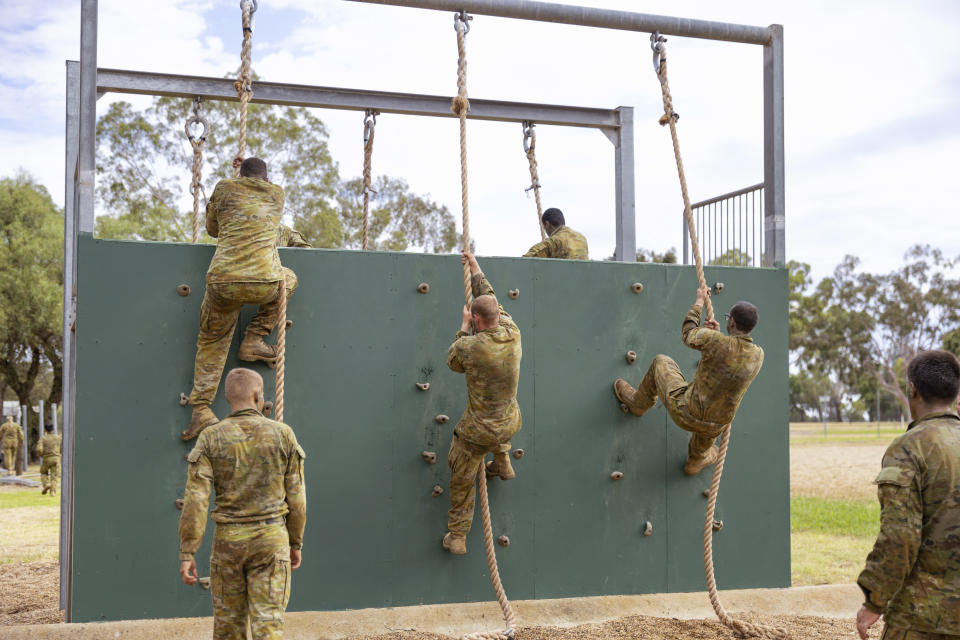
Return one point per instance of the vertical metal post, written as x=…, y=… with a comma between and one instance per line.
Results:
x=626, y=247
x=686, y=241
x=774, y=221
x=53, y=414
x=40, y=423
x=24, y=424
x=88, y=114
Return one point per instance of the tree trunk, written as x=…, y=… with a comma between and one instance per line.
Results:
x=895, y=390
x=51, y=350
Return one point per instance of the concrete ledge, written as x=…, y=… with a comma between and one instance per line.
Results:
x=828, y=601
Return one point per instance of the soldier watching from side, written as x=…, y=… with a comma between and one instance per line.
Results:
x=254, y=467
x=562, y=241
x=244, y=215
x=490, y=358
x=709, y=402
x=48, y=448
x=912, y=575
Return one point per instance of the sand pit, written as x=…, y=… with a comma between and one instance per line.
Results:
x=835, y=471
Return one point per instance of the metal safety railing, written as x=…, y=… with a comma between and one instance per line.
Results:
x=730, y=228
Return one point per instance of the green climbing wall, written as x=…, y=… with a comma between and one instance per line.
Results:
x=362, y=337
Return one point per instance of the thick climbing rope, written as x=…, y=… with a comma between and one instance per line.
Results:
x=369, y=125
x=244, y=83
x=530, y=149
x=670, y=117
x=460, y=106
x=196, y=143
x=281, y=353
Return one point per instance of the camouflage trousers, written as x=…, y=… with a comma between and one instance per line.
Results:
x=218, y=318
x=249, y=578
x=10, y=458
x=665, y=380
x=464, y=459
x=895, y=633
x=50, y=472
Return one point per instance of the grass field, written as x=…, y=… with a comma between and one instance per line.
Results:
x=29, y=526
x=838, y=432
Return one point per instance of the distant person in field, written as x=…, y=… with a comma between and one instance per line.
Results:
x=561, y=242
x=48, y=448
x=709, y=402
x=11, y=441
x=912, y=576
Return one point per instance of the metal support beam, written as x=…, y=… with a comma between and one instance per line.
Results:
x=25, y=424
x=53, y=415
x=297, y=95
x=626, y=247
x=774, y=215
x=591, y=17
x=88, y=114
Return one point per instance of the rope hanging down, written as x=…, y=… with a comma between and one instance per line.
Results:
x=369, y=124
x=670, y=118
x=244, y=83
x=530, y=149
x=460, y=106
x=196, y=142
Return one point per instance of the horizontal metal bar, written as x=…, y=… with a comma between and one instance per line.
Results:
x=591, y=17
x=162, y=84
x=732, y=194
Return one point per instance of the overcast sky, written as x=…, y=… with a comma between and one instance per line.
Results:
x=872, y=108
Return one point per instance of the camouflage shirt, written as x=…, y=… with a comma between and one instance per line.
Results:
x=244, y=215
x=491, y=361
x=291, y=238
x=562, y=243
x=49, y=446
x=10, y=434
x=255, y=467
x=728, y=365
x=913, y=573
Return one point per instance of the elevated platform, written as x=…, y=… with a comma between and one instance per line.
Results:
x=362, y=337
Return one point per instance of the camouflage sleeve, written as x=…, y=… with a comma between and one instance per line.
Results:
x=296, y=492
x=693, y=335
x=40, y=447
x=292, y=238
x=481, y=286
x=212, y=224
x=539, y=250
x=901, y=520
x=456, y=352
x=196, y=501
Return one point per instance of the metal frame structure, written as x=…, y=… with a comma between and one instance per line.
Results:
x=86, y=83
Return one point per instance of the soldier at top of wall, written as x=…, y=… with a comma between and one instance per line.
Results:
x=562, y=241
x=244, y=215
x=709, y=402
x=490, y=358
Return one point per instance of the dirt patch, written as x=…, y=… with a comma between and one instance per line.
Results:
x=835, y=471
x=30, y=593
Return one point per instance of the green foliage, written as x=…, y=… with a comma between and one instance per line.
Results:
x=667, y=257
x=733, y=258
x=836, y=517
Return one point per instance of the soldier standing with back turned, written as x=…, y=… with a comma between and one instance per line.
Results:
x=562, y=241
x=49, y=451
x=11, y=441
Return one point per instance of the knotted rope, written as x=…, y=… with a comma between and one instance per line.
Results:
x=460, y=106
x=281, y=352
x=244, y=83
x=670, y=118
x=196, y=142
x=530, y=148
x=369, y=124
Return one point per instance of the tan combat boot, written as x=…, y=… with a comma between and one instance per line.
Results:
x=253, y=348
x=44, y=492
x=624, y=391
x=500, y=466
x=457, y=545
x=693, y=467
x=202, y=418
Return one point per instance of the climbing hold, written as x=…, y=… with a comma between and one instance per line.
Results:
x=267, y=407
x=288, y=324
x=423, y=386
x=503, y=541
x=717, y=525
x=183, y=399
x=706, y=493
x=648, y=529
x=423, y=287
x=518, y=453
x=437, y=491
x=718, y=287
x=204, y=582
x=631, y=357
x=624, y=408
x=514, y=294
x=443, y=419
x=616, y=475
x=179, y=503
x=184, y=290
x=430, y=456
x=637, y=287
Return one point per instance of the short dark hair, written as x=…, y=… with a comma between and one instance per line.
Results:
x=253, y=168
x=745, y=315
x=554, y=216
x=935, y=374
x=48, y=428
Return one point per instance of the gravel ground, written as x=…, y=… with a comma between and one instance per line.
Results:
x=30, y=593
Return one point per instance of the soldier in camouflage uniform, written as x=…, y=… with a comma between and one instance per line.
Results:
x=244, y=215
x=912, y=576
x=706, y=404
x=49, y=451
x=490, y=358
x=563, y=242
x=254, y=466
x=291, y=238
x=11, y=441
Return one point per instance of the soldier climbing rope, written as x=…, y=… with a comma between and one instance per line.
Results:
x=669, y=118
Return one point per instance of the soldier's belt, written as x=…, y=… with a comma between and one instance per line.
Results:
x=276, y=520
